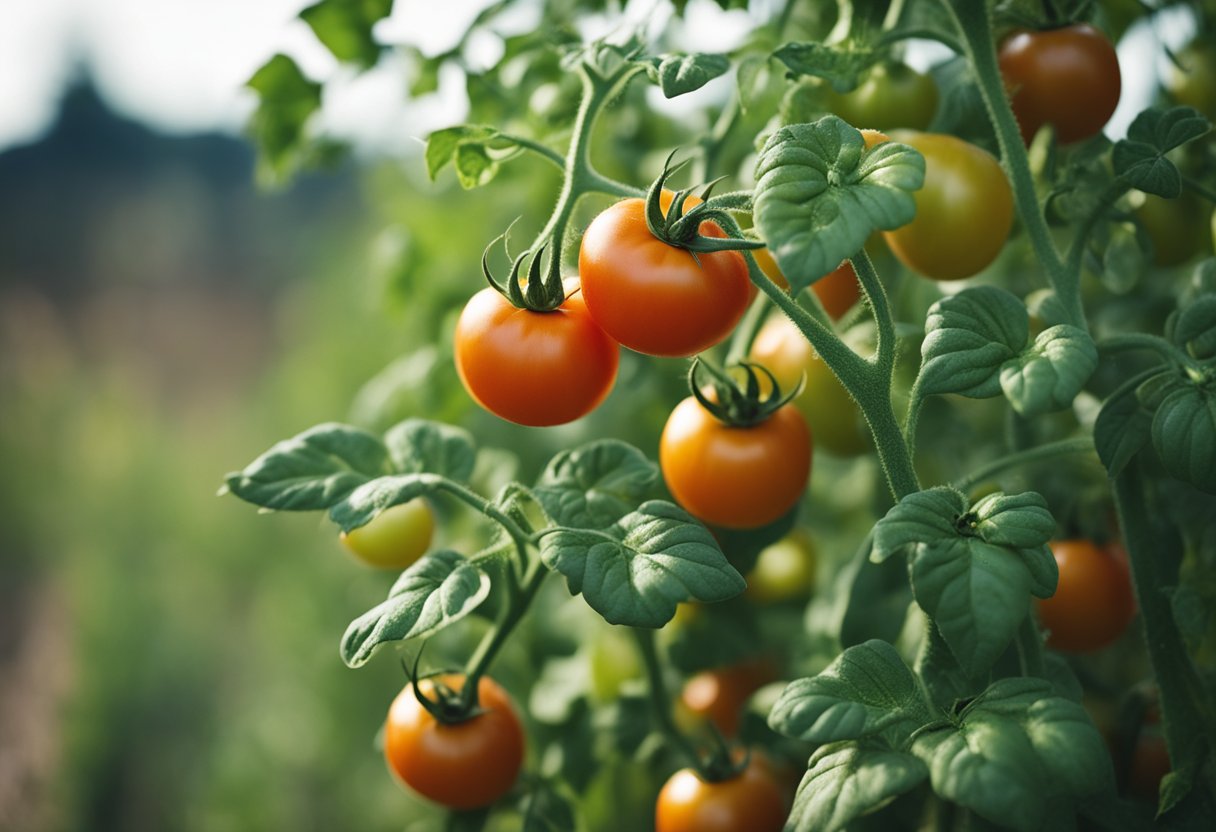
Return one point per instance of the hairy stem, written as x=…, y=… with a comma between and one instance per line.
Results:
x=660, y=701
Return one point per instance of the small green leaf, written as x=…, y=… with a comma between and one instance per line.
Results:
x=442, y=587
x=1050, y=373
x=1195, y=328
x=841, y=64
x=820, y=194
x=419, y=446
x=847, y=780
x=345, y=27
x=286, y=102
x=680, y=74
x=311, y=471
x=595, y=485
x=636, y=571
x=868, y=690
x=475, y=151
x=1184, y=434
x=1140, y=159
x=751, y=79
x=360, y=506
x=973, y=571
x=1124, y=425
x=968, y=338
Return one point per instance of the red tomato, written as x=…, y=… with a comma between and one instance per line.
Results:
x=467, y=765
x=735, y=477
x=1068, y=78
x=655, y=298
x=534, y=368
x=719, y=695
x=754, y=801
x=1093, y=603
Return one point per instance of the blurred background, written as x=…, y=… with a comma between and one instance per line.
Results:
x=168, y=659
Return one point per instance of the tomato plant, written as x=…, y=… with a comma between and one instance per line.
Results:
x=963, y=213
x=1093, y=603
x=534, y=368
x=1066, y=77
x=752, y=799
x=395, y=538
x=465, y=764
x=891, y=96
x=654, y=297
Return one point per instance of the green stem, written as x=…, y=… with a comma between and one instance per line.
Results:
x=1030, y=647
x=975, y=26
x=745, y=333
x=519, y=598
x=1200, y=188
x=877, y=295
x=1144, y=341
x=660, y=701
x=1035, y=454
x=545, y=152
x=1077, y=250
x=519, y=535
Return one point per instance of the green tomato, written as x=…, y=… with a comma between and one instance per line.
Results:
x=785, y=571
x=1193, y=81
x=613, y=657
x=1175, y=227
x=395, y=538
x=891, y=96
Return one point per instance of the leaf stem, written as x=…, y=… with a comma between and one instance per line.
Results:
x=1062, y=447
x=1030, y=647
x=660, y=701
x=545, y=152
x=1144, y=341
x=518, y=534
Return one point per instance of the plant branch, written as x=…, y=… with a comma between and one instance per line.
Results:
x=660, y=701
x=1036, y=454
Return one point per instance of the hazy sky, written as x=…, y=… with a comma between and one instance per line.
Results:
x=181, y=64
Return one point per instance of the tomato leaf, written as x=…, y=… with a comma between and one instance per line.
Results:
x=474, y=150
x=442, y=587
x=820, y=194
x=417, y=446
x=286, y=102
x=1194, y=328
x=636, y=571
x=594, y=486
x=311, y=471
x=1124, y=425
x=1015, y=748
x=345, y=27
x=867, y=691
x=1140, y=159
x=847, y=780
x=968, y=337
x=680, y=74
x=1184, y=434
x=1049, y=373
x=973, y=570
x=841, y=64
x=360, y=506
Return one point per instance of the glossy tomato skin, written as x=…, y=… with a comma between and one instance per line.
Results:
x=395, y=538
x=1067, y=77
x=655, y=298
x=1093, y=603
x=754, y=800
x=963, y=213
x=719, y=695
x=834, y=418
x=534, y=368
x=890, y=97
x=468, y=765
x=735, y=477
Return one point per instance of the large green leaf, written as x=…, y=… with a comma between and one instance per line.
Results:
x=286, y=102
x=638, y=569
x=820, y=194
x=1049, y=373
x=847, y=780
x=593, y=486
x=1141, y=160
x=345, y=27
x=442, y=587
x=968, y=337
x=1184, y=434
x=417, y=446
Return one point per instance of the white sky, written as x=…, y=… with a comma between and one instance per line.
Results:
x=180, y=64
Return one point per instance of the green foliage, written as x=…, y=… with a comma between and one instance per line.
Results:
x=286, y=102
x=345, y=27
x=680, y=74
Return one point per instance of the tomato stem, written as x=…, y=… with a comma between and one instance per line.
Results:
x=660, y=702
x=1144, y=341
x=519, y=598
x=1081, y=445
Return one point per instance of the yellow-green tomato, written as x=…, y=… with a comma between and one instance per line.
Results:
x=1175, y=227
x=395, y=538
x=891, y=96
x=785, y=571
x=836, y=422
x=614, y=661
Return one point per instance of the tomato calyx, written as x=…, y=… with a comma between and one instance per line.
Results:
x=680, y=227
x=449, y=707
x=740, y=405
x=536, y=293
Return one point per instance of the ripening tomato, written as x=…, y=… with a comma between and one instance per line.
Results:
x=1093, y=602
x=834, y=418
x=720, y=695
x=784, y=571
x=1176, y=227
x=963, y=212
x=735, y=477
x=1149, y=764
x=534, y=368
x=655, y=298
x=891, y=96
x=838, y=291
x=1067, y=77
x=754, y=800
x=394, y=538
x=466, y=765
x=1193, y=81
